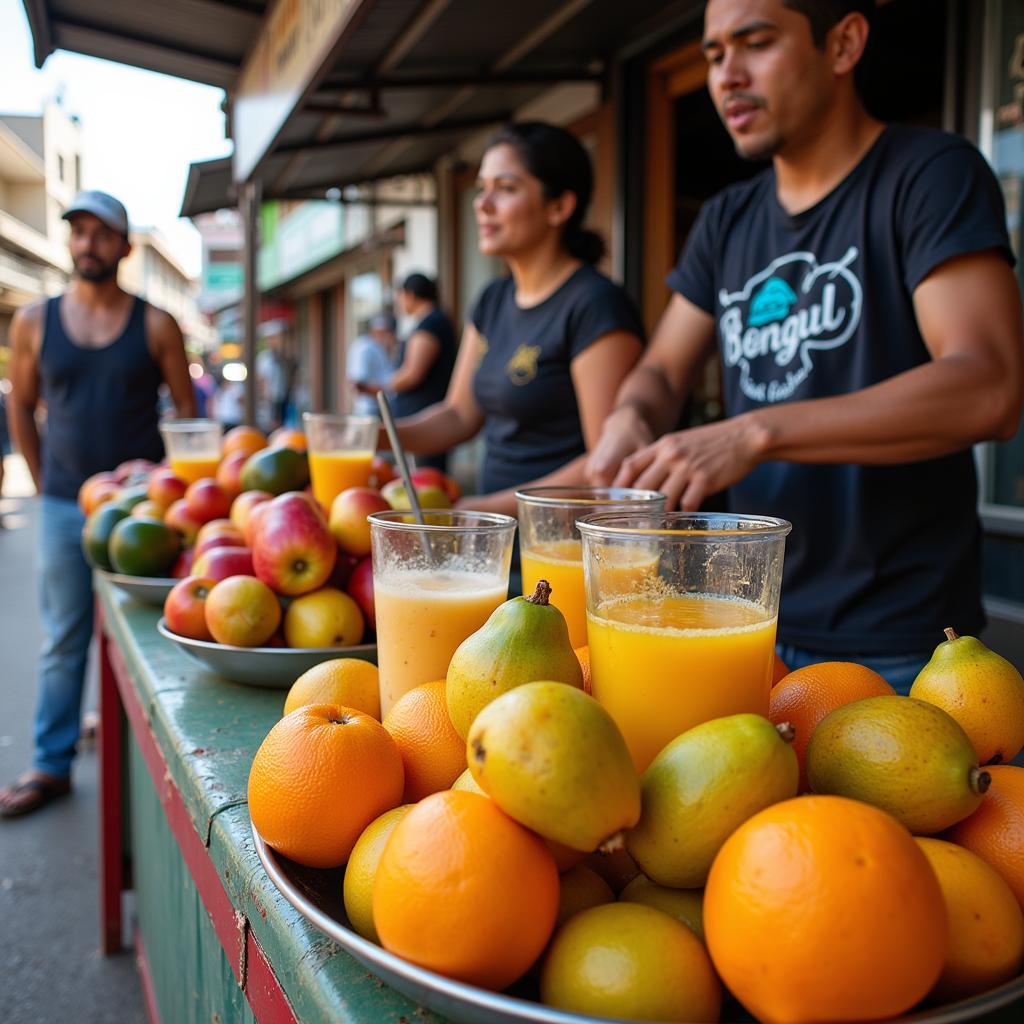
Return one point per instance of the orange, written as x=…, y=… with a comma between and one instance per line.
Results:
x=779, y=670
x=986, y=927
x=824, y=909
x=350, y=682
x=288, y=437
x=433, y=753
x=320, y=776
x=463, y=890
x=99, y=488
x=243, y=439
x=624, y=960
x=806, y=695
x=583, y=653
x=995, y=831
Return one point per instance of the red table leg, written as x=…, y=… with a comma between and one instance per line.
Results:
x=111, y=816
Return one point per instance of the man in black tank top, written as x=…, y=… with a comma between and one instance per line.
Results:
x=868, y=324
x=97, y=357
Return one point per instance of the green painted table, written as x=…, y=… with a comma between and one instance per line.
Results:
x=215, y=940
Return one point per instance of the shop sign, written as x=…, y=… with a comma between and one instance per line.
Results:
x=295, y=39
x=294, y=237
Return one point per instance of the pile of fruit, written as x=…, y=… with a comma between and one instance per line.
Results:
x=259, y=562
x=846, y=858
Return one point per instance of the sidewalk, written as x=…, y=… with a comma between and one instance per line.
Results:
x=50, y=966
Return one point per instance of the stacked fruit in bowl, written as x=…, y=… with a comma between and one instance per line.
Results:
x=850, y=856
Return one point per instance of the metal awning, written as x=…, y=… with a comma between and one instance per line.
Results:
x=202, y=40
x=209, y=187
x=403, y=83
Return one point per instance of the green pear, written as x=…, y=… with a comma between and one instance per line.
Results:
x=981, y=690
x=901, y=754
x=702, y=787
x=554, y=760
x=524, y=639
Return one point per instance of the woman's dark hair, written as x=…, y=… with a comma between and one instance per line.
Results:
x=421, y=286
x=561, y=164
x=825, y=14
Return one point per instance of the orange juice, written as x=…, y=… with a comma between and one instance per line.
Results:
x=560, y=562
x=191, y=468
x=663, y=664
x=334, y=472
x=422, y=617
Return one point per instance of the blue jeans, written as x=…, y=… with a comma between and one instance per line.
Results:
x=899, y=670
x=65, y=597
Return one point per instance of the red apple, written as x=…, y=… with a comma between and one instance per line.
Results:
x=185, y=607
x=229, y=472
x=430, y=476
x=178, y=516
x=381, y=472
x=219, y=530
x=165, y=488
x=343, y=566
x=348, y=518
x=252, y=524
x=242, y=611
x=183, y=566
x=243, y=505
x=207, y=500
x=293, y=550
x=220, y=563
x=360, y=589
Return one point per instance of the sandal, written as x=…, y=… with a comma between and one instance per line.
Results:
x=31, y=794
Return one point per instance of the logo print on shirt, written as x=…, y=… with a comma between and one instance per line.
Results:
x=784, y=313
x=522, y=367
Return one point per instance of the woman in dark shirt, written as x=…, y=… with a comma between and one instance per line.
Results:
x=547, y=347
x=425, y=359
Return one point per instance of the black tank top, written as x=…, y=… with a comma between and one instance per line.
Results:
x=101, y=402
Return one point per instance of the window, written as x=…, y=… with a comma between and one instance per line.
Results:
x=60, y=167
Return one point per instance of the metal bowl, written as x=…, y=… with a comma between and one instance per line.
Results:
x=151, y=590
x=316, y=895
x=272, y=667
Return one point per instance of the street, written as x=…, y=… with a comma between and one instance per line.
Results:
x=50, y=966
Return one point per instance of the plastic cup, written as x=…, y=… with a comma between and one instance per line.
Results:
x=681, y=617
x=193, y=447
x=549, y=543
x=340, y=450
x=433, y=586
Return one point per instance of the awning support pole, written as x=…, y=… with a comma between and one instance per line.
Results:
x=250, y=204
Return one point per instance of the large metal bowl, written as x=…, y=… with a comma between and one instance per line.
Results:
x=273, y=667
x=151, y=590
x=316, y=895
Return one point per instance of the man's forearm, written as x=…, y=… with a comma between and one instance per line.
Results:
x=647, y=392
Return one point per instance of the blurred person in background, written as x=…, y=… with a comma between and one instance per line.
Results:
x=370, y=362
x=546, y=347
x=275, y=372
x=96, y=356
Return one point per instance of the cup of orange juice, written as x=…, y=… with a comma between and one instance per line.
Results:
x=340, y=450
x=433, y=584
x=193, y=448
x=550, y=547
x=691, y=640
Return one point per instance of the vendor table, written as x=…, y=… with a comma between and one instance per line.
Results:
x=215, y=940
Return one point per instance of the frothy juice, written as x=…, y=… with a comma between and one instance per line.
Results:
x=663, y=664
x=422, y=617
x=191, y=468
x=333, y=472
x=560, y=562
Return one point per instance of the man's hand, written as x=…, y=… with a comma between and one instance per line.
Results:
x=624, y=433
x=689, y=465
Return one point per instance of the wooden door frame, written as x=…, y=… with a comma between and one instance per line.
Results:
x=682, y=71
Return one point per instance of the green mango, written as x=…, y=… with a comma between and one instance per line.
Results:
x=275, y=470
x=140, y=546
x=96, y=533
x=702, y=787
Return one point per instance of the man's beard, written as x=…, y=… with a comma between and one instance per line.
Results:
x=95, y=270
x=759, y=151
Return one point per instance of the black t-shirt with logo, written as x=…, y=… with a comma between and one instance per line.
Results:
x=881, y=557
x=434, y=385
x=523, y=382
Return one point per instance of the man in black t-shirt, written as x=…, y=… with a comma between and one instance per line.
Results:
x=869, y=328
